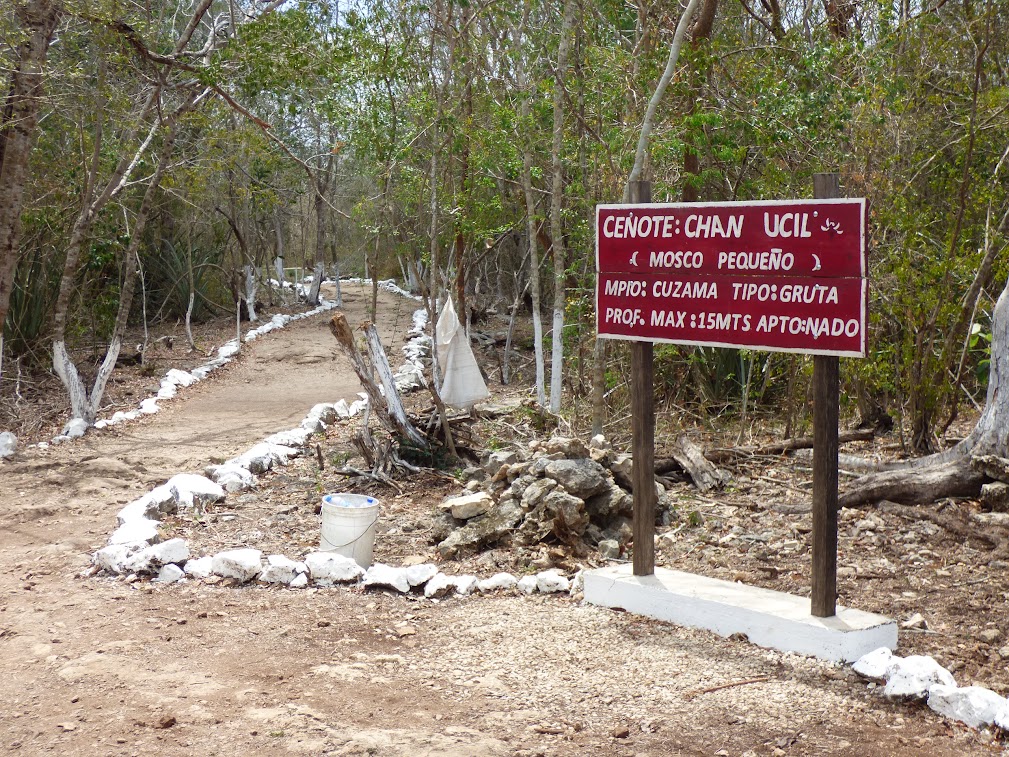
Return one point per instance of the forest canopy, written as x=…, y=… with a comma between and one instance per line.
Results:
x=156, y=155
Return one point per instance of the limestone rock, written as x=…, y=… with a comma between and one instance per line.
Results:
x=300, y=581
x=201, y=567
x=875, y=664
x=152, y=558
x=913, y=676
x=193, y=491
x=380, y=574
x=154, y=505
x=294, y=438
x=240, y=564
x=527, y=584
x=439, y=586
x=497, y=459
x=469, y=505
x=497, y=582
x=568, y=447
x=281, y=570
x=552, y=582
x=75, y=428
x=609, y=549
x=328, y=568
x=974, y=705
x=486, y=529
x=113, y=558
x=169, y=574
x=622, y=469
x=611, y=502
x=8, y=444
x=580, y=478
x=138, y=531
x=418, y=575
x=534, y=493
x=464, y=585
x=232, y=477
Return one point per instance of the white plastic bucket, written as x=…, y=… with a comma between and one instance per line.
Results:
x=348, y=526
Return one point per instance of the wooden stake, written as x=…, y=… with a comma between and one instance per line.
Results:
x=823, y=599
x=643, y=433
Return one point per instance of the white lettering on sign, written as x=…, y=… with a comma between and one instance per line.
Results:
x=630, y=227
x=787, y=224
x=819, y=294
x=708, y=227
x=814, y=327
x=625, y=288
x=774, y=260
x=693, y=290
x=676, y=259
x=626, y=316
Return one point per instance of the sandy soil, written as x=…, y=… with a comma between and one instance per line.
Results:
x=97, y=666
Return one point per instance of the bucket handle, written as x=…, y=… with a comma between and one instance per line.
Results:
x=358, y=537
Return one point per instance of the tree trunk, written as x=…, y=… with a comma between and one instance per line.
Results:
x=38, y=20
x=948, y=474
x=556, y=201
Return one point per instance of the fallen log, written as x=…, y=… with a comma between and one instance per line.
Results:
x=692, y=459
x=954, y=478
x=727, y=454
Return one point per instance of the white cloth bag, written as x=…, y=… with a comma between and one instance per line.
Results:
x=462, y=384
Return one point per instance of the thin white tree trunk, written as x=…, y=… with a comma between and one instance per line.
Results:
x=556, y=201
x=250, y=292
x=527, y=189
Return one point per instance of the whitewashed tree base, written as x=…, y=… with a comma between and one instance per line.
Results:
x=768, y=618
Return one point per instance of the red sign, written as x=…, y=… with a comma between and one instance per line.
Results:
x=786, y=276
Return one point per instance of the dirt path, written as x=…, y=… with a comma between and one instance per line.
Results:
x=101, y=667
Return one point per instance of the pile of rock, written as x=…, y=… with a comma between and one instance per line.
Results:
x=560, y=491
x=919, y=677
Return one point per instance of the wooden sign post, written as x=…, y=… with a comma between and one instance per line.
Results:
x=643, y=433
x=782, y=275
x=823, y=596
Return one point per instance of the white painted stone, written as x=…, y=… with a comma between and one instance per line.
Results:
x=578, y=582
x=263, y=456
x=180, y=378
x=229, y=349
x=464, y=585
x=913, y=676
x=201, y=567
x=527, y=584
x=342, y=409
x=497, y=582
x=193, y=490
x=380, y=574
x=281, y=570
x=242, y=564
x=118, y=417
x=439, y=586
x=324, y=411
x=149, y=406
x=418, y=575
x=768, y=618
x=152, y=558
x=552, y=582
x=875, y=664
x=169, y=574
x=139, y=531
x=294, y=438
x=75, y=428
x=974, y=705
x=167, y=391
x=8, y=444
x=231, y=477
x=113, y=557
x=313, y=425
x=158, y=502
x=328, y=568
x=300, y=581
